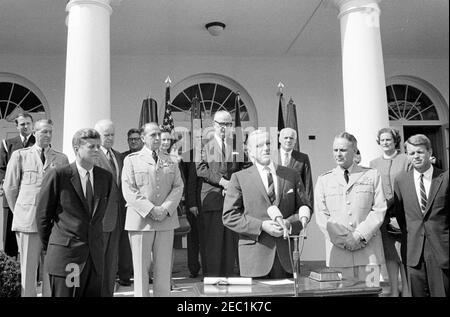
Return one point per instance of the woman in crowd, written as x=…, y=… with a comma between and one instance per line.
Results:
x=389, y=165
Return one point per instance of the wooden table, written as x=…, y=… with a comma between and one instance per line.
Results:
x=307, y=288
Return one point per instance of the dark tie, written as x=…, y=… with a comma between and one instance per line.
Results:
x=155, y=156
x=423, y=194
x=270, y=186
x=111, y=162
x=223, y=151
x=89, y=193
x=24, y=143
x=42, y=157
x=346, y=176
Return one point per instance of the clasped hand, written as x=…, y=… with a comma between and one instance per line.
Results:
x=352, y=242
x=274, y=229
x=158, y=213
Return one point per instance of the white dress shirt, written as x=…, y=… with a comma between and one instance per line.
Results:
x=285, y=160
x=427, y=176
x=82, y=171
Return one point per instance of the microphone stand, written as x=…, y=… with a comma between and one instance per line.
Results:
x=296, y=259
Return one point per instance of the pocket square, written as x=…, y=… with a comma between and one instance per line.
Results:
x=290, y=191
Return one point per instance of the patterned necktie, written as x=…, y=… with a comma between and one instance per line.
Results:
x=24, y=143
x=111, y=162
x=155, y=156
x=223, y=151
x=346, y=176
x=42, y=156
x=89, y=193
x=270, y=185
x=286, y=159
x=423, y=195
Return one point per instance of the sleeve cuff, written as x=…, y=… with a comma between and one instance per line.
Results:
x=304, y=211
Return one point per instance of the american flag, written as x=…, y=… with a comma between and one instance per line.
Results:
x=168, y=119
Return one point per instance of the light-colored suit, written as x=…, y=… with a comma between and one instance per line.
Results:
x=146, y=184
x=23, y=181
x=341, y=208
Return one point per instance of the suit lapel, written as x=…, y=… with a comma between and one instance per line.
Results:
x=356, y=174
x=436, y=182
x=411, y=188
x=50, y=158
x=339, y=176
x=76, y=182
x=280, y=179
x=253, y=171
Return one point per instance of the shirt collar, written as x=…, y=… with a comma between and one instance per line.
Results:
x=146, y=148
x=261, y=168
x=427, y=174
x=350, y=169
x=82, y=171
x=283, y=151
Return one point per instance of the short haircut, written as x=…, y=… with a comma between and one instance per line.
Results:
x=222, y=112
x=253, y=136
x=419, y=139
x=285, y=130
x=42, y=122
x=23, y=115
x=349, y=137
x=394, y=133
x=133, y=130
x=148, y=126
x=82, y=135
x=102, y=124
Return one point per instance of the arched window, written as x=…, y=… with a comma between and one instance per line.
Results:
x=415, y=106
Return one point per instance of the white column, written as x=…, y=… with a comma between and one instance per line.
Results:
x=87, y=87
x=365, y=102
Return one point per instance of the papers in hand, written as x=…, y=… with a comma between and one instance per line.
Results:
x=227, y=281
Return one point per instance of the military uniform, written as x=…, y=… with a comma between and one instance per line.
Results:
x=146, y=184
x=22, y=184
x=341, y=207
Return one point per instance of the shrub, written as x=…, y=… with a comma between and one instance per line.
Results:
x=9, y=276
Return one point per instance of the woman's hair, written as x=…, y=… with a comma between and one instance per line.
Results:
x=395, y=136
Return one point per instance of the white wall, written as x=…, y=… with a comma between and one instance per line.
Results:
x=314, y=83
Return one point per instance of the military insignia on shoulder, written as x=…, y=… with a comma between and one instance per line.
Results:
x=328, y=172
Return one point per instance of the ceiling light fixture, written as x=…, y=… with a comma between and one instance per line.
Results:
x=215, y=28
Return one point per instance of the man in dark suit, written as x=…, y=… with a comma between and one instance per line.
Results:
x=296, y=160
x=254, y=198
x=118, y=257
x=69, y=216
x=134, y=141
x=24, y=123
x=215, y=170
x=422, y=210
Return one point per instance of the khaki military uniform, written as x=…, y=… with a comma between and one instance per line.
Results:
x=23, y=180
x=341, y=208
x=146, y=184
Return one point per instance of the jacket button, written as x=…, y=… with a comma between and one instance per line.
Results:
x=349, y=213
x=350, y=224
x=348, y=203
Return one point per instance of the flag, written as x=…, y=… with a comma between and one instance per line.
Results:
x=238, y=140
x=168, y=119
x=196, y=129
x=149, y=111
x=291, y=120
x=280, y=112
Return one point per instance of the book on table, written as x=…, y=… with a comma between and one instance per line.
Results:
x=325, y=275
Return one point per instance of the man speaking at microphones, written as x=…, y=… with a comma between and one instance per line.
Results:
x=263, y=204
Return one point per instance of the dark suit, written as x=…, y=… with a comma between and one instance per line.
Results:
x=425, y=235
x=118, y=257
x=245, y=208
x=5, y=154
x=68, y=231
x=300, y=162
x=220, y=242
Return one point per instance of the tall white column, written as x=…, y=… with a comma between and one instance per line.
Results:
x=87, y=87
x=365, y=102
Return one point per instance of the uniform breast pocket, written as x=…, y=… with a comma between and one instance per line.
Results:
x=142, y=177
x=31, y=176
x=332, y=198
x=364, y=193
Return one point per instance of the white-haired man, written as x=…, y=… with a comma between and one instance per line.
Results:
x=251, y=196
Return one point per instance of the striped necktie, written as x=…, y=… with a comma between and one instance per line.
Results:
x=423, y=195
x=270, y=185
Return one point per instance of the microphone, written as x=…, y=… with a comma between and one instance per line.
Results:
x=275, y=214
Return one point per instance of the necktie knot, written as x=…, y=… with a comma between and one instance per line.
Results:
x=346, y=176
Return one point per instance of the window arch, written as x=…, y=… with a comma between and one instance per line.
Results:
x=215, y=92
x=415, y=106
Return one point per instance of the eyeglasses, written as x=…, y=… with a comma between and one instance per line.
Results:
x=134, y=139
x=224, y=124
